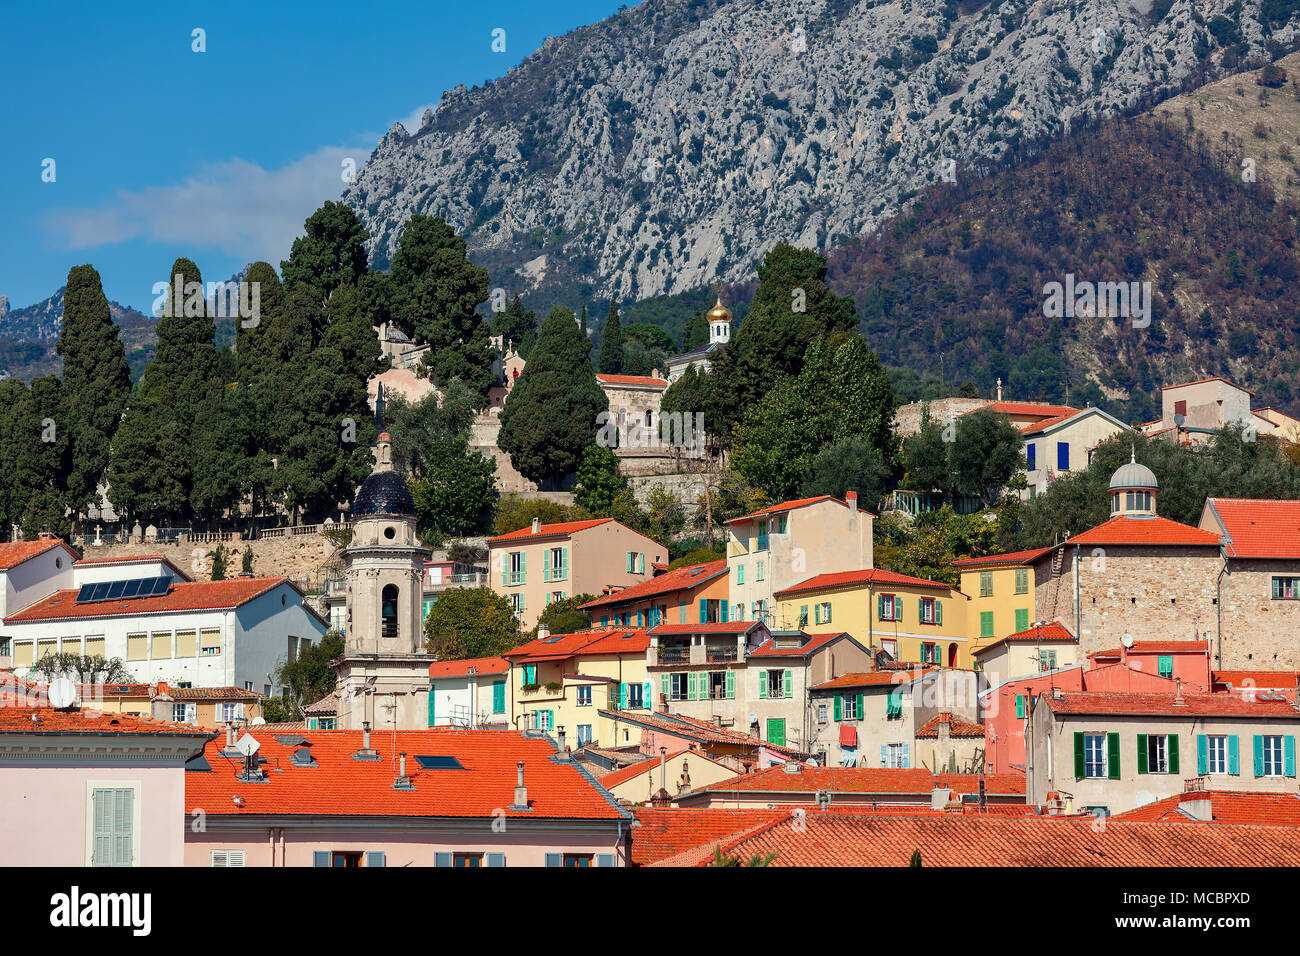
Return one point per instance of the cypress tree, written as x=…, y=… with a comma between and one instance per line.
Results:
x=96, y=379
x=550, y=415
x=330, y=255
x=611, y=343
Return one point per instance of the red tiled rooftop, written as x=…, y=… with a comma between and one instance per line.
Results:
x=1202, y=381
x=213, y=693
x=1234, y=807
x=646, y=381
x=791, y=505
x=551, y=530
x=680, y=579
x=621, y=640
x=630, y=772
x=342, y=786
x=1257, y=528
x=871, y=679
x=721, y=627
x=1286, y=680
x=1157, y=530
x=838, y=579
x=688, y=728
x=182, y=596
x=867, y=780
x=814, y=643
x=1042, y=409
x=1157, y=647
x=47, y=720
x=890, y=840
x=1165, y=705
x=479, y=665
x=15, y=553
x=665, y=833
x=1038, y=634
x=957, y=727
x=1011, y=557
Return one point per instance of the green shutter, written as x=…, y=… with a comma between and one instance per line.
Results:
x=1173, y=753
x=498, y=697
x=731, y=685
x=564, y=563
x=1288, y=756
x=817, y=613
x=1202, y=754
x=622, y=696
x=1020, y=706
x=505, y=570
x=859, y=703
x=1112, y=756
x=432, y=697
x=986, y=623
x=704, y=610
x=546, y=566
x=1234, y=756
x=1078, y=756
x=920, y=610
x=1166, y=665
x=692, y=688
x=647, y=696
x=762, y=684
x=1259, y=755
x=1142, y=753
x=839, y=707
x=938, y=611
x=1022, y=619
x=523, y=567
x=665, y=686
x=787, y=685
x=722, y=608
x=880, y=607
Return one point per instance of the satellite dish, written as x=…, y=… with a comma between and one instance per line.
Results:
x=62, y=692
x=1179, y=418
x=257, y=721
x=1126, y=640
x=247, y=745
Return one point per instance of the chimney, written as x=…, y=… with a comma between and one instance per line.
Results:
x=543, y=631
x=663, y=768
x=367, y=752
x=537, y=526
x=940, y=797
x=852, y=499
x=791, y=767
x=230, y=736
x=1178, y=693
x=402, y=765
x=559, y=734
x=403, y=782
x=162, y=689
x=521, y=792
x=365, y=734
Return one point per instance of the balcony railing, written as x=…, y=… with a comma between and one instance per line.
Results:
x=674, y=655
x=720, y=655
x=761, y=544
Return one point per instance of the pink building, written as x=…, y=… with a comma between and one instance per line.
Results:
x=84, y=788
x=406, y=798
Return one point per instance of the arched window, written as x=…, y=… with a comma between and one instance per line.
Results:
x=388, y=611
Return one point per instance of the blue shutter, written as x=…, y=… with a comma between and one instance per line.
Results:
x=604, y=619
x=1062, y=456
x=499, y=697
x=374, y=858
x=1234, y=756
x=704, y=610
x=1029, y=453
x=722, y=606
x=907, y=755
x=554, y=859
x=320, y=858
x=442, y=859
x=1202, y=754
x=604, y=859
x=622, y=696
x=1288, y=756
x=496, y=859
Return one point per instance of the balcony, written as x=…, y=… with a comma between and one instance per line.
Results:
x=674, y=655
x=721, y=655
x=761, y=542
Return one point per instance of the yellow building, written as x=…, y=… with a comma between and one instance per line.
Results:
x=1001, y=592
x=915, y=620
x=560, y=683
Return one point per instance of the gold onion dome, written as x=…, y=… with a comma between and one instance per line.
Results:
x=719, y=313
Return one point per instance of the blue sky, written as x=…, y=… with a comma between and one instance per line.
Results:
x=160, y=151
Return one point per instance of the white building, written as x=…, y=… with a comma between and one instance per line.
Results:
x=188, y=633
x=31, y=570
x=469, y=693
x=1063, y=444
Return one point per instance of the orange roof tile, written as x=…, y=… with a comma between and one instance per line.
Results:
x=551, y=530
x=1288, y=680
x=1256, y=528
x=47, y=720
x=867, y=780
x=957, y=727
x=15, y=553
x=814, y=643
x=632, y=771
x=952, y=840
x=182, y=596
x=342, y=786
x=1164, y=705
x=646, y=381
x=665, y=833
x=1236, y=807
x=1011, y=557
x=1039, y=633
x=717, y=627
x=837, y=579
x=1029, y=408
x=790, y=506
x=1157, y=647
x=555, y=647
x=622, y=640
x=688, y=728
x=681, y=579
x=871, y=679
x=478, y=665
x=1202, y=381
x=1125, y=530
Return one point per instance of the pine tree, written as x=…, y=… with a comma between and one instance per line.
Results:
x=550, y=416
x=517, y=326
x=96, y=379
x=611, y=343
x=696, y=334
x=330, y=255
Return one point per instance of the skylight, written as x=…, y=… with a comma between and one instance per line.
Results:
x=439, y=763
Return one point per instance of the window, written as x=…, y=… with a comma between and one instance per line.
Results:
x=890, y=646
x=894, y=755
x=557, y=567
x=161, y=642
x=210, y=642
x=137, y=647
x=584, y=696
x=986, y=623
x=929, y=611
x=577, y=859
x=823, y=613
x=584, y=734
x=467, y=859
x=1216, y=753
x=803, y=615
x=517, y=603
x=556, y=596
x=229, y=712
x=1180, y=408
x=388, y=611
x=1047, y=660
x=1157, y=753
x=759, y=567
x=760, y=610
x=889, y=607
x=1029, y=454
x=776, y=731
x=1166, y=665
x=226, y=858
x=635, y=563
x=1022, y=619
x=1062, y=456
x=930, y=653
x=849, y=708
x=1286, y=589
x=821, y=713
x=775, y=684
x=530, y=675
x=894, y=704
x=677, y=689
x=740, y=574
x=717, y=685
x=178, y=713
x=542, y=720
x=636, y=696
x=499, y=697
x=113, y=826
x=1022, y=580
x=986, y=584
x=1268, y=759
x=1094, y=755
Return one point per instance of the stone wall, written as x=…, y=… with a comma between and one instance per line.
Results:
x=1259, y=633
x=907, y=419
x=687, y=486
x=306, y=558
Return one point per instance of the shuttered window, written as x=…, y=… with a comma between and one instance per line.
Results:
x=95, y=647
x=137, y=647
x=46, y=648
x=23, y=651
x=113, y=818
x=1022, y=619
x=210, y=642
x=186, y=643
x=72, y=645
x=227, y=857
x=162, y=644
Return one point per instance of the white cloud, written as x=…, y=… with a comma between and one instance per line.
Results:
x=412, y=122
x=235, y=206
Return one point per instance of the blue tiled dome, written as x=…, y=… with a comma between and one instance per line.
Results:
x=383, y=493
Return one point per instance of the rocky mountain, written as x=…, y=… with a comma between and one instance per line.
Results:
x=41, y=322
x=674, y=142
x=28, y=337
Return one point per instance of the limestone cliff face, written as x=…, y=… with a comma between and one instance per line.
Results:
x=673, y=143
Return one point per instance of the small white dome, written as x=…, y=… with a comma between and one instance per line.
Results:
x=1134, y=475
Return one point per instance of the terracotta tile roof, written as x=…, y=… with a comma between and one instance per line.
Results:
x=623, y=640
x=785, y=506
x=837, y=579
x=681, y=579
x=867, y=780
x=871, y=679
x=1029, y=408
x=1040, y=633
x=288, y=726
x=1257, y=528
x=19, y=720
x=213, y=693
x=728, y=627
x=1202, y=381
x=556, y=647
x=110, y=691
x=632, y=771
x=643, y=380
x=1124, y=530
x=327, y=706
x=1011, y=557
x=1233, y=807
x=814, y=643
x=957, y=727
x=15, y=553
x=182, y=596
x=342, y=786
x=870, y=840
x=1034, y=428
x=665, y=833
x=551, y=530
x=688, y=728
x=479, y=665
x=1288, y=680
x=1157, y=647
x=1163, y=705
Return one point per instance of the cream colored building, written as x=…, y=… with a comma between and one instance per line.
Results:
x=1042, y=647
x=1063, y=444
x=1192, y=412
x=772, y=549
x=538, y=565
x=677, y=773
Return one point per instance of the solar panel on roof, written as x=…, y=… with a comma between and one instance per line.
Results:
x=100, y=590
x=84, y=594
x=439, y=763
x=132, y=588
x=115, y=590
x=162, y=584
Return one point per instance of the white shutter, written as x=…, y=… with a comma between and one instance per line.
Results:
x=123, y=820
x=102, y=852
x=239, y=712
x=227, y=858
x=191, y=713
